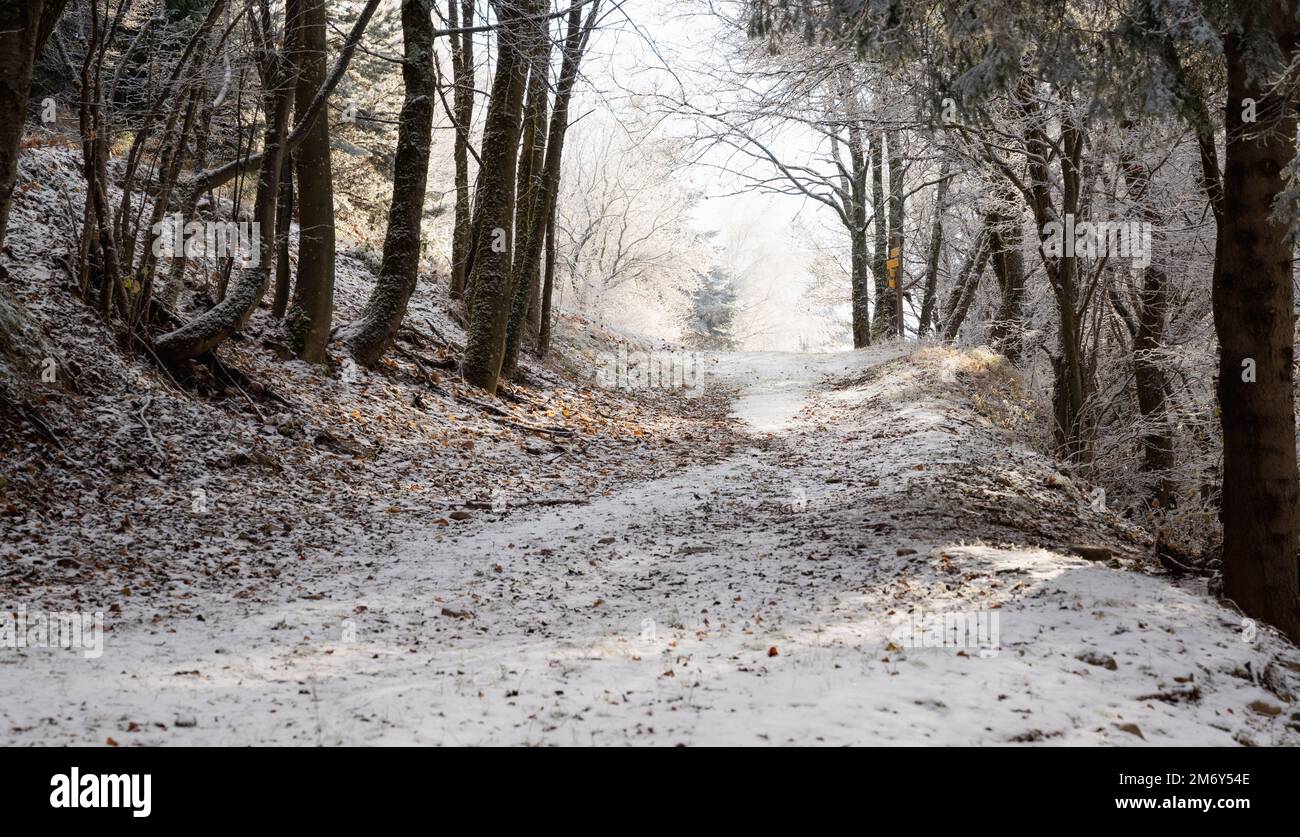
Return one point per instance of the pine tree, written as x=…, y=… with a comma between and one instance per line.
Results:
x=713, y=312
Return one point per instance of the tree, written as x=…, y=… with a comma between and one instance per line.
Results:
x=312, y=308
x=1061, y=64
x=713, y=312
x=542, y=213
x=489, y=280
x=370, y=336
x=462, y=68
x=1254, y=319
x=209, y=330
x=20, y=41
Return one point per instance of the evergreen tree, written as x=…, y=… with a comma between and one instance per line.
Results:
x=713, y=312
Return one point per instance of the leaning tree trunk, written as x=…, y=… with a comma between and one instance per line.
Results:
x=312, y=309
x=489, y=303
x=370, y=336
x=1253, y=316
x=19, y=25
x=213, y=327
x=968, y=280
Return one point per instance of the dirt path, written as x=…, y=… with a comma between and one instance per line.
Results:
x=768, y=598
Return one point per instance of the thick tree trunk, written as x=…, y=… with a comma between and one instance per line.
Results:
x=462, y=68
x=489, y=303
x=373, y=333
x=312, y=309
x=20, y=22
x=1253, y=316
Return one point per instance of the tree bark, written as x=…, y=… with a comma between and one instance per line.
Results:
x=489, y=303
x=312, y=309
x=880, y=319
x=896, y=218
x=859, y=264
x=1253, y=316
x=548, y=285
x=373, y=333
x=462, y=68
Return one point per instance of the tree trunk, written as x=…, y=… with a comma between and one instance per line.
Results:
x=881, y=317
x=896, y=217
x=216, y=325
x=548, y=285
x=489, y=303
x=928, y=300
x=1006, y=333
x=283, y=222
x=963, y=293
x=530, y=207
x=1253, y=316
x=19, y=33
x=462, y=69
x=575, y=43
x=373, y=333
x=860, y=281
x=310, y=313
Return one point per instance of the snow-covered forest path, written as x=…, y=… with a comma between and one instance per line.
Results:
x=756, y=600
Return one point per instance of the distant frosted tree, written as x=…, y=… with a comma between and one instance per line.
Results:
x=713, y=312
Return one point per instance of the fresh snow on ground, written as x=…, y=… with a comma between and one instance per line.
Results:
x=755, y=599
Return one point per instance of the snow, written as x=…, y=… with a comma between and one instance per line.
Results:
x=754, y=598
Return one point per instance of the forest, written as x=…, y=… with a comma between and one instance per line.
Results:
x=593, y=372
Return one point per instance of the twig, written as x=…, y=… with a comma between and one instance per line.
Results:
x=149, y=430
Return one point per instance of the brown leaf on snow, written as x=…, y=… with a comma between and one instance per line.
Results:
x=1131, y=729
x=1264, y=708
x=772, y=652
